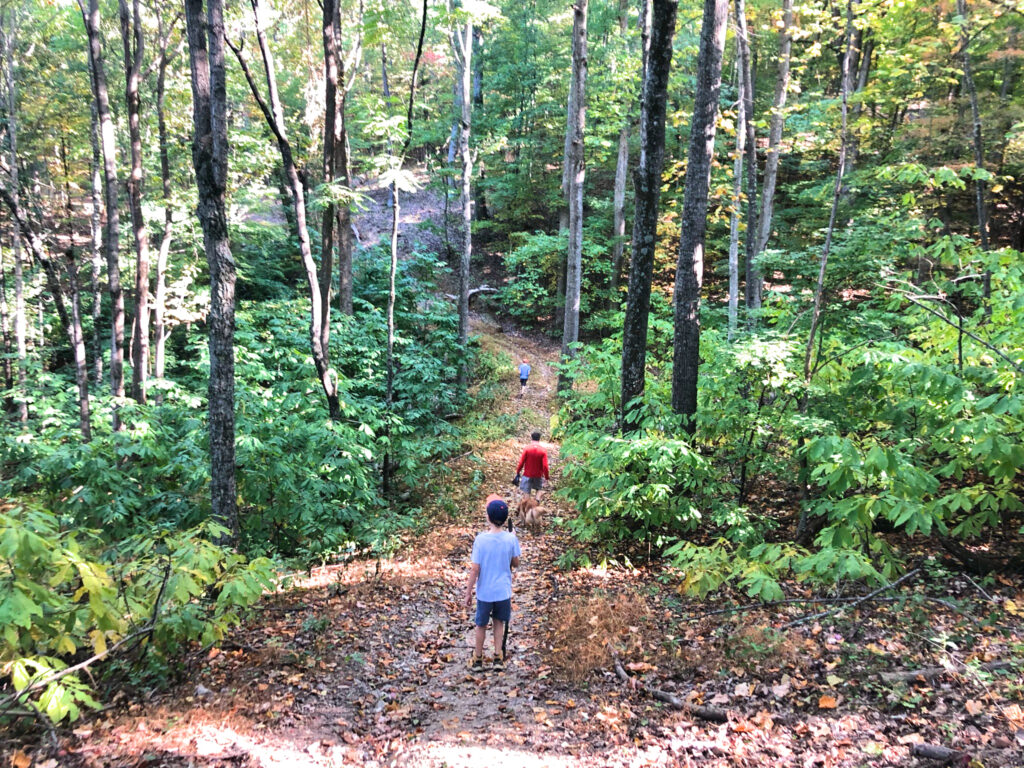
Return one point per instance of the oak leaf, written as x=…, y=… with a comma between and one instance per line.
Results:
x=827, y=702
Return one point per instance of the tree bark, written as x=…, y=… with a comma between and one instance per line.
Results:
x=20, y=321
x=209, y=158
x=160, y=297
x=619, y=190
x=108, y=145
x=647, y=195
x=330, y=29
x=576, y=174
x=77, y=341
x=5, y=333
x=96, y=229
x=132, y=39
x=690, y=266
x=346, y=241
x=775, y=126
x=753, y=282
x=273, y=114
x=463, y=42
x=737, y=197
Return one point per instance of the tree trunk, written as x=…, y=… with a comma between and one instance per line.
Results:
x=619, y=214
x=132, y=39
x=160, y=298
x=753, y=282
x=577, y=171
x=737, y=195
x=20, y=321
x=330, y=29
x=96, y=229
x=274, y=117
x=775, y=126
x=209, y=158
x=5, y=332
x=77, y=340
x=819, y=289
x=980, y=185
x=464, y=56
x=108, y=144
x=690, y=267
x=647, y=194
x=346, y=241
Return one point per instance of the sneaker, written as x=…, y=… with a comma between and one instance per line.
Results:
x=476, y=664
x=497, y=663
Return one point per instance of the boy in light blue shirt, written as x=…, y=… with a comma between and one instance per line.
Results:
x=495, y=553
x=524, y=375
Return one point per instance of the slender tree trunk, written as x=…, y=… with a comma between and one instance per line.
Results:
x=20, y=321
x=647, y=195
x=775, y=126
x=619, y=213
x=348, y=69
x=464, y=55
x=160, y=297
x=330, y=29
x=77, y=340
x=754, y=281
x=980, y=185
x=819, y=289
x=132, y=39
x=690, y=267
x=577, y=171
x=210, y=160
x=108, y=144
x=96, y=229
x=5, y=332
x=273, y=114
x=737, y=196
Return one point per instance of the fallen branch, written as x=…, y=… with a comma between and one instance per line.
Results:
x=704, y=713
x=473, y=292
x=823, y=614
x=929, y=673
x=935, y=752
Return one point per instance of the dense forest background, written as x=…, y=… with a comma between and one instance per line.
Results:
x=780, y=244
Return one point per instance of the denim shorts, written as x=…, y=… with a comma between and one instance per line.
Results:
x=527, y=484
x=501, y=610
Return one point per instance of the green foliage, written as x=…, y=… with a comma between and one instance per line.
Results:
x=69, y=595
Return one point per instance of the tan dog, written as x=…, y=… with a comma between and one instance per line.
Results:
x=531, y=512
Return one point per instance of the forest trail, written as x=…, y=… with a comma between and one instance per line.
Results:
x=367, y=664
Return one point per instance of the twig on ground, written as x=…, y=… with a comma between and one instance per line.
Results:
x=928, y=673
x=977, y=586
x=858, y=601
x=704, y=713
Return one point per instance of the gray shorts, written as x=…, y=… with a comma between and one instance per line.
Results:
x=526, y=484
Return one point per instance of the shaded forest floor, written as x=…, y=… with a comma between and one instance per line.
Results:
x=366, y=664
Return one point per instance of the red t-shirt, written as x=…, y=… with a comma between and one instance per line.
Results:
x=534, y=462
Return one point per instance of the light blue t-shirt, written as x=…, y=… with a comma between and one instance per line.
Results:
x=524, y=371
x=493, y=552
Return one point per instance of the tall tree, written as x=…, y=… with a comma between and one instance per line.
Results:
x=164, y=32
x=133, y=41
x=96, y=229
x=647, y=195
x=690, y=265
x=7, y=30
x=576, y=174
x=775, y=125
x=319, y=331
x=462, y=42
x=753, y=281
x=737, y=197
x=621, y=171
x=210, y=160
x=108, y=146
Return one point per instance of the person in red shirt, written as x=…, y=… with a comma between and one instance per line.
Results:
x=532, y=469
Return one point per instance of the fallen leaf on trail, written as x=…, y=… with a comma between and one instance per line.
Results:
x=875, y=649
x=743, y=689
x=780, y=690
x=639, y=666
x=743, y=727
x=1011, y=607
x=20, y=760
x=974, y=707
x=834, y=680
x=827, y=702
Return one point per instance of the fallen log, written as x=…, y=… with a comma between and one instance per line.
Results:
x=713, y=714
x=935, y=752
x=930, y=673
x=473, y=292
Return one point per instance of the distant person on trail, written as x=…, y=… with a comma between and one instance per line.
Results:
x=524, y=375
x=532, y=470
x=495, y=553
